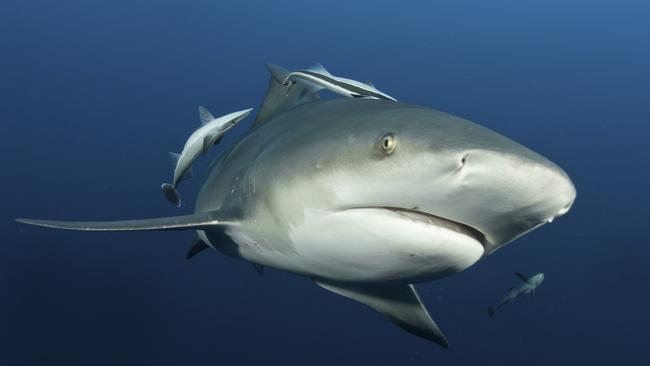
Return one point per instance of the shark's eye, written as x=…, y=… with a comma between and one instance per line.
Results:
x=388, y=143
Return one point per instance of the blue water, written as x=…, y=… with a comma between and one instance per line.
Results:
x=94, y=93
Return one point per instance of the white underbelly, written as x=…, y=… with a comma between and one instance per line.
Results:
x=371, y=245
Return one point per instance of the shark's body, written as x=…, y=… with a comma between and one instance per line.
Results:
x=200, y=141
x=366, y=197
x=320, y=78
x=528, y=286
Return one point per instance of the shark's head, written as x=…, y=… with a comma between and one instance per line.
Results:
x=377, y=154
x=445, y=166
x=536, y=280
x=430, y=162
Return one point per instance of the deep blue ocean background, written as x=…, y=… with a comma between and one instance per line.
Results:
x=94, y=93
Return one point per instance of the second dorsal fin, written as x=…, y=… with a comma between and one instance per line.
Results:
x=320, y=69
x=400, y=303
x=205, y=115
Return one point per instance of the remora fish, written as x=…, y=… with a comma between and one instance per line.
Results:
x=320, y=78
x=210, y=133
x=366, y=198
x=528, y=287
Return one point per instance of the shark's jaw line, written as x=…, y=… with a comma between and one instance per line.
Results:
x=431, y=219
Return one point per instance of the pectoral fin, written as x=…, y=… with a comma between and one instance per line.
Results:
x=521, y=276
x=399, y=303
x=210, y=140
x=198, y=221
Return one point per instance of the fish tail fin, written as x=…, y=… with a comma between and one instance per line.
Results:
x=171, y=194
x=491, y=311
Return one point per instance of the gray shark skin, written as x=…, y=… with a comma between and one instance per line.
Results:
x=528, y=286
x=366, y=197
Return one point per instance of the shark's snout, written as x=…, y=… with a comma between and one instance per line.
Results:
x=569, y=196
x=512, y=193
x=560, y=192
x=534, y=192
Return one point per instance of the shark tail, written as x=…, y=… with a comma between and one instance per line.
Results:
x=491, y=311
x=171, y=194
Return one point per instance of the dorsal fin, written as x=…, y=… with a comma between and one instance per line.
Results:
x=278, y=73
x=205, y=115
x=318, y=68
x=280, y=98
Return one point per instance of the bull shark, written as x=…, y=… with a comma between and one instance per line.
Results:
x=365, y=197
x=528, y=287
x=210, y=133
x=319, y=78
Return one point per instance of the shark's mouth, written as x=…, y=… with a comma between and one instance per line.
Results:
x=431, y=219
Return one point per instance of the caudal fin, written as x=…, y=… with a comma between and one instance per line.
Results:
x=171, y=194
x=491, y=311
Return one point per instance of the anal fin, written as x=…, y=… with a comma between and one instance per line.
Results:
x=400, y=303
x=174, y=158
